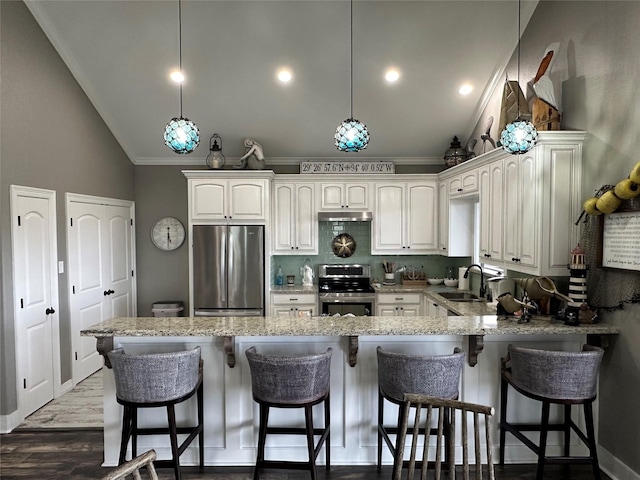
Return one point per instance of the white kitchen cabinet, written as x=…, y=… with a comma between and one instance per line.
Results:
x=491, y=187
x=529, y=204
x=521, y=209
x=339, y=196
x=294, y=226
x=224, y=196
x=434, y=309
x=294, y=305
x=406, y=217
x=463, y=184
x=398, y=305
x=443, y=218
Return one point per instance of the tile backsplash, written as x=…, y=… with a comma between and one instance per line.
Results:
x=433, y=265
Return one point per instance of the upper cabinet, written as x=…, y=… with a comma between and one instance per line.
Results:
x=295, y=225
x=405, y=216
x=216, y=196
x=338, y=196
x=464, y=184
x=491, y=189
x=529, y=204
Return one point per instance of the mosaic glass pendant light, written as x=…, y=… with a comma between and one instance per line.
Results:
x=181, y=135
x=519, y=136
x=351, y=135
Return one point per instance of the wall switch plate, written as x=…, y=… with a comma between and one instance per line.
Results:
x=60, y=266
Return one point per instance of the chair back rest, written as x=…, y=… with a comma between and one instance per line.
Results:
x=473, y=419
x=292, y=379
x=134, y=466
x=433, y=375
x=157, y=377
x=555, y=374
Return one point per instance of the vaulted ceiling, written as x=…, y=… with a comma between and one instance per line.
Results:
x=121, y=52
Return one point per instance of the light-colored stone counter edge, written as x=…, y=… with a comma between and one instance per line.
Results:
x=333, y=326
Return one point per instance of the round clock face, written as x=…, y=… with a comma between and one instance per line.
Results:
x=168, y=233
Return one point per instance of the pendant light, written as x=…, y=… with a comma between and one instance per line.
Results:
x=181, y=135
x=519, y=136
x=351, y=135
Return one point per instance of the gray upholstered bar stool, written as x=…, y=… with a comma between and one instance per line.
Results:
x=159, y=380
x=292, y=381
x=565, y=378
x=399, y=373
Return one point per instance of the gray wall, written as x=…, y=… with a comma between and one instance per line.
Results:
x=53, y=138
x=597, y=67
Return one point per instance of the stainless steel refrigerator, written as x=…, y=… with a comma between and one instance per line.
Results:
x=228, y=270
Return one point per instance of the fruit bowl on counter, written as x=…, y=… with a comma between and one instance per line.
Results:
x=451, y=282
x=435, y=281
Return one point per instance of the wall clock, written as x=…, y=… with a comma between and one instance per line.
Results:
x=168, y=234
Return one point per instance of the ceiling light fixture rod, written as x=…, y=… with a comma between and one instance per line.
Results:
x=351, y=55
x=180, y=50
x=518, y=62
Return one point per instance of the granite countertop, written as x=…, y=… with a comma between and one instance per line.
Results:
x=332, y=326
x=297, y=289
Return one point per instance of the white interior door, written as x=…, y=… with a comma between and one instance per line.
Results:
x=100, y=252
x=36, y=296
x=86, y=251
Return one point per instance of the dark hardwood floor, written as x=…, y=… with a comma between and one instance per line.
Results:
x=77, y=455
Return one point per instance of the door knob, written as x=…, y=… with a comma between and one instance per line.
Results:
x=49, y=311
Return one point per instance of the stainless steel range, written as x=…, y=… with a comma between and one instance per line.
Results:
x=346, y=289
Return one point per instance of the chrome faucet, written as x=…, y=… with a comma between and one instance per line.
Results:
x=483, y=288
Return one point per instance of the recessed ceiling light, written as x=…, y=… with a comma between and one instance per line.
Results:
x=285, y=75
x=392, y=75
x=465, y=89
x=177, y=76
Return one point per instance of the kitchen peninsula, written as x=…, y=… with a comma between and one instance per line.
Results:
x=230, y=432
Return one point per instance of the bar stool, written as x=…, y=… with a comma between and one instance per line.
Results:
x=158, y=380
x=431, y=375
x=565, y=378
x=294, y=381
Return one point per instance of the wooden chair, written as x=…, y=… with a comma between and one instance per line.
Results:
x=457, y=410
x=134, y=466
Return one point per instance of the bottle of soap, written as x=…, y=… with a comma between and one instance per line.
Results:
x=279, y=277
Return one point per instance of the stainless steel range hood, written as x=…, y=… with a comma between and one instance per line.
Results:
x=344, y=216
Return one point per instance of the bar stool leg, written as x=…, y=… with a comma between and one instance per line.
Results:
x=327, y=426
x=173, y=437
x=308, y=418
x=262, y=438
x=134, y=432
x=542, y=448
x=200, y=400
x=567, y=430
x=503, y=417
x=125, y=435
x=588, y=417
x=380, y=420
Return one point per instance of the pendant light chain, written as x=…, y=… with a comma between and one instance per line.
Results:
x=351, y=135
x=518, y=71
x=181, y=135
x=351, y=57
x=180, y=50
x=518, y=136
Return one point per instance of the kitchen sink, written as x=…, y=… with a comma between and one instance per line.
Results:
x=461, y=297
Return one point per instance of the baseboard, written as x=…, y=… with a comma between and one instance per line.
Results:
x=65, y=387
x=613, y=467
x=9, y=422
